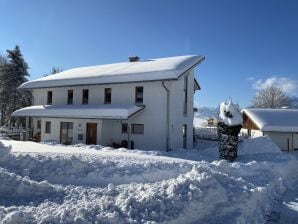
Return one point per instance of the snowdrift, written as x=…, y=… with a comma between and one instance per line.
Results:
x=119, y=186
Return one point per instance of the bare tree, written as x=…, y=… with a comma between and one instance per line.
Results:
x=271, y=97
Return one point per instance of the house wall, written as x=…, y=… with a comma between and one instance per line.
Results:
x=79, y=127
x=177, y=117
x=153, y=116
x=284, y=140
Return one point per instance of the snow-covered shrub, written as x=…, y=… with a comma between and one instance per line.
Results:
x=228, y=128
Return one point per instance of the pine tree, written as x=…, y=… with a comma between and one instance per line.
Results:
x=14, y=73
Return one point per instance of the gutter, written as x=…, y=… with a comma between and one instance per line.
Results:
x=168, y=118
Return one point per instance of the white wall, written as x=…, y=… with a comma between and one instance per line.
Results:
x=79, y=127
x=282, y=139
x=153, y=116
x=177, y=117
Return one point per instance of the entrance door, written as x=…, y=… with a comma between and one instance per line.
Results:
x=91, y=133
x=66, y=133
x=295, y=141
x=184, y=132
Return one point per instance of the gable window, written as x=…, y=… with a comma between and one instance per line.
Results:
x=139, y=94
x=70, y=97
x=124, y=128
x=48, y=127
x=137, y=129
x=85, y=97
x=108, y=95
x=50, y=98
x=185, y=95
x=38, y=124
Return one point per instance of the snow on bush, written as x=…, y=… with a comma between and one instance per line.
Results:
x=230, y=114
x=118, y=186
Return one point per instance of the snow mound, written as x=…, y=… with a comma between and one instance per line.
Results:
x=120, y=186
x=15, y=186
x=257, y=145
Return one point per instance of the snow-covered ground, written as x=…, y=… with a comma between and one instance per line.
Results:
x=44, y=183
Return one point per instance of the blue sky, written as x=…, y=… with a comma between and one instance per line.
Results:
x=247, y=44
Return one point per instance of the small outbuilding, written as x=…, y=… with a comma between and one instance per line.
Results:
x=281, y=125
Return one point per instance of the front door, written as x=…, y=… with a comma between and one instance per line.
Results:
x=66, y=133
x=91, y=133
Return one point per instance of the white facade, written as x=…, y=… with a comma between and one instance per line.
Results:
x=153, y=117
x=164, y=122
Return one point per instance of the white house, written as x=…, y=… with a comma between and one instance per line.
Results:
x=145, y=104
x=281, y=125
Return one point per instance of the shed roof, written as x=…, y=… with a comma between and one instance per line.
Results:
x=280, y=120
x=138, y=71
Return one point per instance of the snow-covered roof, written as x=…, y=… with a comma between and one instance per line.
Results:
x=281, y=120
x=146, y=70
x=103, y=111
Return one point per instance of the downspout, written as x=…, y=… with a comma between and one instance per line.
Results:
x=168, y=117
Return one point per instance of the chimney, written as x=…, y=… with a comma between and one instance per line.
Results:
x=134, y=59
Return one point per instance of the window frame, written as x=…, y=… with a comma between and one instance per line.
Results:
x=49, y=97
x=124, y=126
x=137, y=98
x=106, y=101
x=185, y=103
x=85, y=98
x=38, y=124
x=133, y=131
x=48, y=127
x=70, y=99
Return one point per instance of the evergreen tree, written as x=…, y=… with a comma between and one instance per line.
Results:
x=14, y=73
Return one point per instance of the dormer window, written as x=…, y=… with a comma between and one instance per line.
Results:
x=50, y=98
x=139, y=94
x=85, y=97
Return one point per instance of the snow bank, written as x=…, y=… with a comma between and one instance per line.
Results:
x=117, y=186
x=89, y=170
x=257, y=146
x=15, y=186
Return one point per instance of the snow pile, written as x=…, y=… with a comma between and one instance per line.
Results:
x=258, y=145
x=15, y=186
x=230, y=114
x=119, y=186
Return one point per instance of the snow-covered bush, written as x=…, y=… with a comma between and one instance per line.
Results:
x=228, y=128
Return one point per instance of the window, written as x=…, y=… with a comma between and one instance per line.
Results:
x=70, y=97
x=185, y=95
x=39, y=124
x=48, y=127
x=66, y=133
x=50, y=98
x=124, y=128
x=184, y=133
x=137, y=128
x=108, y=95
x=139, y=94
x=85, y=96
